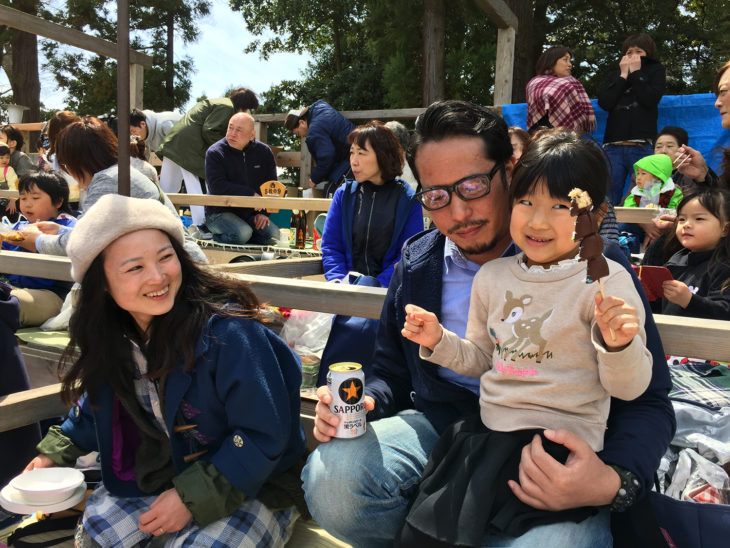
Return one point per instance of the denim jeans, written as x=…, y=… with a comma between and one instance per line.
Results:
x=638, y=234
x=229, y=228
x=622, y=159
x=359, y=490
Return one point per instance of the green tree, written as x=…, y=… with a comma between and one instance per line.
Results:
x=19, y=59
x=368, y=54
x=90, y=80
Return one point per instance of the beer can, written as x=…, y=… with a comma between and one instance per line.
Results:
x=346, y=382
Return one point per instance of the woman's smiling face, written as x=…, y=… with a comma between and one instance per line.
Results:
x=143, y=274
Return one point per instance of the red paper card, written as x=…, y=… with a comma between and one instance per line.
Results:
x=652, y=278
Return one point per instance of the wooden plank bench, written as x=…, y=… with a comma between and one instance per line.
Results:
x=693, y=337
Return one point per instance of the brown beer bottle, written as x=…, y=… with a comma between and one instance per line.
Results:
x=293, y=227
x=301, y=228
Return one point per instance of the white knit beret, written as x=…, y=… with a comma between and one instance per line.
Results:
x=111, y=217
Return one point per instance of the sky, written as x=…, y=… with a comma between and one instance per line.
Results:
x=219, y=58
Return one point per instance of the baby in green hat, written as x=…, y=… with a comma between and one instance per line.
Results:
x=654, y=188
x=654, y=185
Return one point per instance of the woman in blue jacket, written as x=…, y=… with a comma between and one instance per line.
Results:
x=371, y=217
x=191, y=402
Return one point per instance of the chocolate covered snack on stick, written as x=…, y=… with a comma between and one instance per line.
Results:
x=586, y=231
x=591, y=244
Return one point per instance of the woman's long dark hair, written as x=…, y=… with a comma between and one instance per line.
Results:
x=102, y=331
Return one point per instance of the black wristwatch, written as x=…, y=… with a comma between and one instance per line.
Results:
x=627, y=493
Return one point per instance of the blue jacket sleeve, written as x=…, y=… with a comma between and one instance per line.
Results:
x=336, y=262
x=639, y=431
x=413, y=226
x=80, y=427
x=390, y=381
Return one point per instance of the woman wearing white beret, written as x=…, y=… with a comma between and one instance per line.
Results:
x=191, y=402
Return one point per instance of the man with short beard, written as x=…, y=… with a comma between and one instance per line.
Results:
x=360, y=489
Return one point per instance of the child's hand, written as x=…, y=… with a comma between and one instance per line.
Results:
x=48, y=227
x=677, y=292
x=11, y=207
x=651, y=230
x=421, y=327
x=618, y=321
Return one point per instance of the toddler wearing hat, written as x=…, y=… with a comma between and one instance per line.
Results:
x=654, y=188
x=654, y=184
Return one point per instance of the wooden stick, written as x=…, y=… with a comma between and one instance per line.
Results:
x=193, y=456
x=682, y=162
x=603, y=295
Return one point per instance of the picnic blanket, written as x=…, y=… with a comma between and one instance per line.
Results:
x=706, y=383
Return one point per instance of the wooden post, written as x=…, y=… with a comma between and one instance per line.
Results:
x=261, y=131
x=136, y=86
x=305, y=168
x=504, y=66
x=507, y=23
x=433, y=50
x=123, y=91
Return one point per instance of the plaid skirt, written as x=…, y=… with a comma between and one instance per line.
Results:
x=113, y=521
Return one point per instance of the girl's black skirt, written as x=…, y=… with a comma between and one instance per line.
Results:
x=463, y=495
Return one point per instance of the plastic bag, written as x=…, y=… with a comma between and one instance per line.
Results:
x=706, y=431
x=306, y=332
x=60, y=321
x=696, y=478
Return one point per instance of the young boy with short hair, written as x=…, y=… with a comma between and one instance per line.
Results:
x=43, y=197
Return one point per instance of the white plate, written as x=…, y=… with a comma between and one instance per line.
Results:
x=47, y=485
x=12, y=502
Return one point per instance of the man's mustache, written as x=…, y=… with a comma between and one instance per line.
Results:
x=467, y=224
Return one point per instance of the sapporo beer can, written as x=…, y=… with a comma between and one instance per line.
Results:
x=346, y=382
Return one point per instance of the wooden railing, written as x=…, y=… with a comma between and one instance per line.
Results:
x=303, y=159
x=623, y=214
x=681, y=336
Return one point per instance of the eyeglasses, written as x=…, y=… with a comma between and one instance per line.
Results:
x=468, y=188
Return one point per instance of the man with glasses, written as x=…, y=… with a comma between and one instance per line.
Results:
x=360, y=490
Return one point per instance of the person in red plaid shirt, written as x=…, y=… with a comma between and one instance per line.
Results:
x=555, y=98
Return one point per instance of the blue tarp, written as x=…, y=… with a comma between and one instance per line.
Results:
x=695, y=113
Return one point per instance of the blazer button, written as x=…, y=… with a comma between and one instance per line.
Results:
x=237, y=441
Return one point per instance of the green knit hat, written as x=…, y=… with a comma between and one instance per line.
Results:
x=659, y=165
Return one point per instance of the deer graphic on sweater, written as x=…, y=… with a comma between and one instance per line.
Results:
x=525, y=331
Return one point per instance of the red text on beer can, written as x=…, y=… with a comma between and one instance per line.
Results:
x=346, y=382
